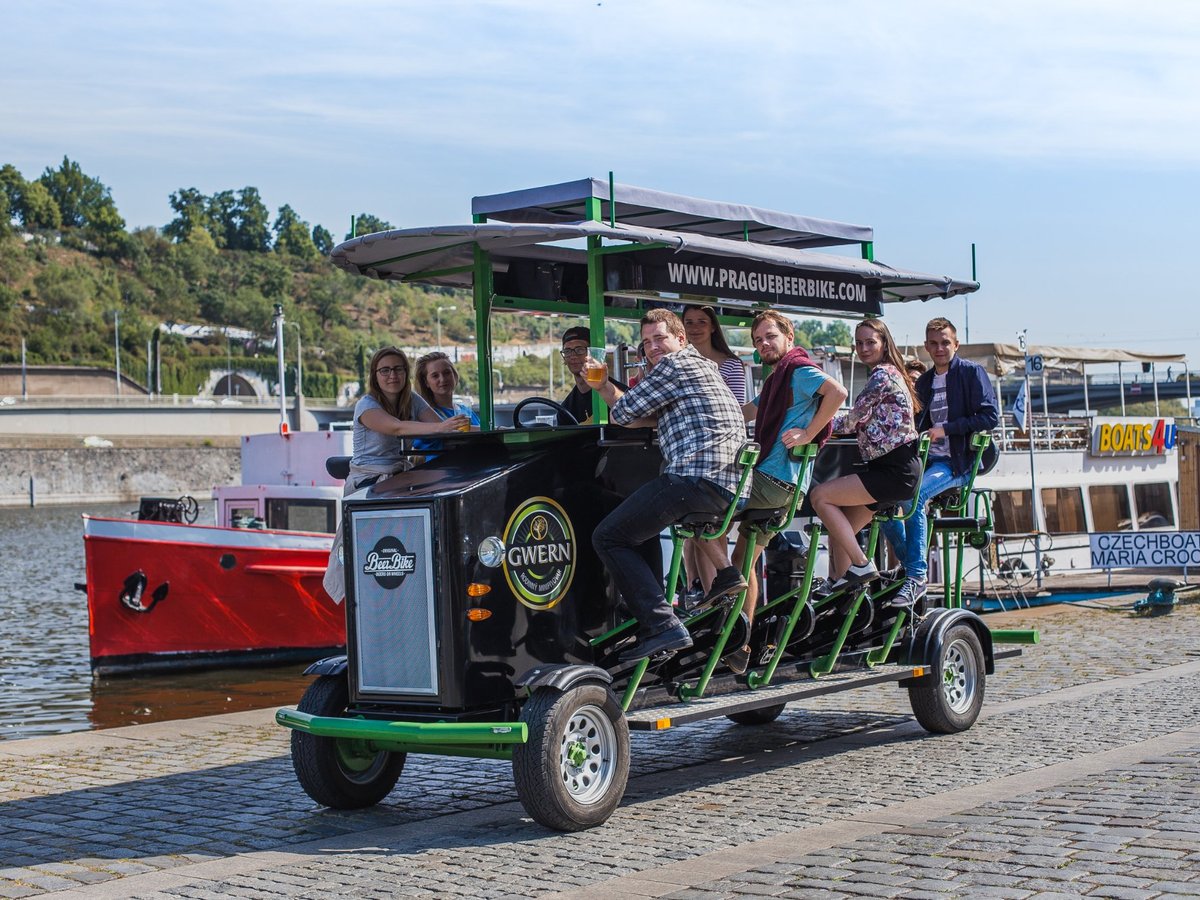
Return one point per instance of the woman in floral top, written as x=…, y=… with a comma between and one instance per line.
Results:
x=882, y=418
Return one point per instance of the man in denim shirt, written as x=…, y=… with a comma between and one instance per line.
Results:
x=700, y=430
x=957, y=400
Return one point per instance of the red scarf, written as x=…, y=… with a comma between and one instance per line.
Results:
x=776, y=399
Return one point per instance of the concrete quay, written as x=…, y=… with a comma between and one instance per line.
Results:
x=1082, y=778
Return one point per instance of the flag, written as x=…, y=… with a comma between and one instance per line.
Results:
x=1020, y=419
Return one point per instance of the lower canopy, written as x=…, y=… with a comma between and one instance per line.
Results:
x=529, y=261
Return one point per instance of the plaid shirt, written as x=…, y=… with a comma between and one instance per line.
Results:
x=700, y=425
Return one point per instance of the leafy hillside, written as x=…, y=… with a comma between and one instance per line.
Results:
x=69, y=270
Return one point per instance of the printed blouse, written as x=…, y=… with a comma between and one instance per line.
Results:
x=882, y=415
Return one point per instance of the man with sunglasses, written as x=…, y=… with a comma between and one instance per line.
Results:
x=575, y=343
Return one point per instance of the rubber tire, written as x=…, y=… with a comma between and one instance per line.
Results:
x=537, y=764
x=764, y=715
x=960, y=653
x=321, y=766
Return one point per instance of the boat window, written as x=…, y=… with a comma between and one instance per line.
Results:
x=1110, y=507
x=1153, y=503
x=302, y=515
x=242, y=516
x=1014, y=512
x=1063, y=508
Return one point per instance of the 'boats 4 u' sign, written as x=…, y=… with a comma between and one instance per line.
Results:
x=1132, y=437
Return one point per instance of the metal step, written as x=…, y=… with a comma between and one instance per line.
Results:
x=668, y=715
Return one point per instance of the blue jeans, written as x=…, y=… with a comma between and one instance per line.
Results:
x=641, y=516
x=910, y=538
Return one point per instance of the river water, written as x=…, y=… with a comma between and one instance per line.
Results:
x=46, y=684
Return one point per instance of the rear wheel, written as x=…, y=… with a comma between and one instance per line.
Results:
x=571, y=773
x=343, y=774
x=948, y=700
x=764, y=715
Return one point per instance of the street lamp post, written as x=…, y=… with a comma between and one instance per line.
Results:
x=117, y=345
x=299, y=363
x=439, y=322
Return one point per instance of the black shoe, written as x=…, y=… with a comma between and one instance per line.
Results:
x=820, y=588
x=669, y=641
x=728, y=581
x=689, y=600
x=739, y=660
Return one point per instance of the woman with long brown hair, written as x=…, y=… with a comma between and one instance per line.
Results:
x=882, y=419
x=387, y=414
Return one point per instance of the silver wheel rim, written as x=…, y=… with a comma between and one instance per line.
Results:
x=959, y=676
x=587, y=754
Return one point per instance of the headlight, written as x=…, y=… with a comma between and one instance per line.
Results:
x=491, y=552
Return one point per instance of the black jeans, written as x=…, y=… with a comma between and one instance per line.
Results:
x=640, y=518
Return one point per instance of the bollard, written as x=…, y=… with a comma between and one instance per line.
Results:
x=32, y=493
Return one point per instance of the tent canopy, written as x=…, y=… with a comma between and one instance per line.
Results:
x=568, y=202
x=1003, y=359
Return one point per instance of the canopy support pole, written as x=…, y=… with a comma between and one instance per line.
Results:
x=595, y=284
x=483, y=291
x=1121, y=385
x=1154, y=378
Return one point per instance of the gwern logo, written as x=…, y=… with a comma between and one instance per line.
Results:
x=389, y=562
x=539, y=561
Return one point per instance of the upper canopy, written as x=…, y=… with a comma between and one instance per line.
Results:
x=685, y=263
x=567, y=202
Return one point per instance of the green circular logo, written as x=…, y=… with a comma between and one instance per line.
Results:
x=539, y=555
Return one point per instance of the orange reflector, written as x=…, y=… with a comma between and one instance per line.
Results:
x=918, y=671
x=475, y=589
x=478, y=615
x=662, y=724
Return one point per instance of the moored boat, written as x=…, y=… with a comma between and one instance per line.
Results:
x=246, y=590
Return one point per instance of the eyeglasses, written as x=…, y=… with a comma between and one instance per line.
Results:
x=573, y=351
x=389, y=371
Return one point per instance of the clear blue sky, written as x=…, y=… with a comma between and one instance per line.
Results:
x=1063, y=138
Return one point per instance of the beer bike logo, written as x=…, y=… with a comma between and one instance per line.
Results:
x=389, y=562
x=539, y=561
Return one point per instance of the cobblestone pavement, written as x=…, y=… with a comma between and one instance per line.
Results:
x=1081, y=778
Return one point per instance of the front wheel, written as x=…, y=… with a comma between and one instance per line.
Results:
x=342, y=774
x=571, y=773
x=948, y=700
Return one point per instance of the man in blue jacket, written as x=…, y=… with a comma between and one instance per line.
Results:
x=957, y=400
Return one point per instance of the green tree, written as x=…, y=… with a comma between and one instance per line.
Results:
x=322, y=240
x=85, y=203
x=253, y=222
x=192, y=214
x=223, y=218
x=292, y=234
x=36, y=208
x=365, y=223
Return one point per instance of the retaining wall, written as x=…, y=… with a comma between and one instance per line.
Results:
x=101, y=475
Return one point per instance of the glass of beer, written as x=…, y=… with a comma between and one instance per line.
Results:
x=596, y=366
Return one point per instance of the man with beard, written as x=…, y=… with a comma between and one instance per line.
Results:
x=797, y=403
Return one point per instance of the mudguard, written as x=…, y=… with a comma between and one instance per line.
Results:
x=922, y=648
x=561, y=676
x=330, y=665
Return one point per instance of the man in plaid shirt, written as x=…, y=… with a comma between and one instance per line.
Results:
x=700, y=430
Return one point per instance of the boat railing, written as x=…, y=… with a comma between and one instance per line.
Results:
x=1047, y=432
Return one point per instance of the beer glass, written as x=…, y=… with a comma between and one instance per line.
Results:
x=596, y=366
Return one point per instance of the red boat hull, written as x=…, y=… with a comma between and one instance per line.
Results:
x=164, y=595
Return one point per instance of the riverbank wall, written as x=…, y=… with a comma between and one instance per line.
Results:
x=66, y=475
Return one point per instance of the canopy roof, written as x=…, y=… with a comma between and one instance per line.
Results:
x=567, y=202
x=1003, y=359
x=445, y=254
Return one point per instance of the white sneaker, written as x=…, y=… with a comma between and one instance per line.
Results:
x=857, y=575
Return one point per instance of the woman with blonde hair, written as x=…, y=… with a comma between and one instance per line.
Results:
x=882, y=419
x=437, y=379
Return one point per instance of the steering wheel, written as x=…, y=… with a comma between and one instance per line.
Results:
x=557, y=407
x=189, y=509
